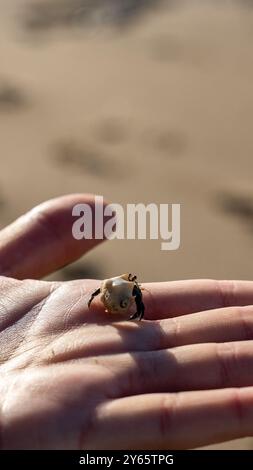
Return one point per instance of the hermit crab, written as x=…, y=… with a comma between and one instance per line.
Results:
x=119, y=293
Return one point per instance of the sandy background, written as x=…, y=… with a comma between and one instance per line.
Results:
x=139, y=101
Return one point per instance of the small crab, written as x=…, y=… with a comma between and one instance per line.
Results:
x=119, y=293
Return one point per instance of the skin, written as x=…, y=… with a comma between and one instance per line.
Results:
x=70, y=378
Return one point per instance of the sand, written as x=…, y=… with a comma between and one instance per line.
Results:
x=144, y=105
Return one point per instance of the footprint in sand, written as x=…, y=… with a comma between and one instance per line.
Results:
x=79, y=271
x=170, y=143
x=49, y=14
x=111, y=131
x=11, y=98
x=83, y=157
x=239, y=206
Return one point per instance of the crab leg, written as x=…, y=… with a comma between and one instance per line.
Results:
x=94, y=295
x=139, y=304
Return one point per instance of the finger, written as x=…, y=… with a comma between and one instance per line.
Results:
x=193, y=367
x=218, y=325
x=41, y=241
x=175, y=421
x=170, y=299
x=222, y=325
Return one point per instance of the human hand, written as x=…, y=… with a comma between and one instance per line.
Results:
x=72, y=378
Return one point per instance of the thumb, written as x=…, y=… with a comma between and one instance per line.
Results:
x=41, y=241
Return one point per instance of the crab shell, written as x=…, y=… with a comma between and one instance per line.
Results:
x=116, y=291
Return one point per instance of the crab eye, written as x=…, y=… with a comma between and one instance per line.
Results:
x=124, y=303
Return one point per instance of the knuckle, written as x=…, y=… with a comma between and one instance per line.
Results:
x=227, y=292
x=245, y=317
x=227, y=362
x=238, y=408
x=169, y=333
x=166, y=416
x=46, y=223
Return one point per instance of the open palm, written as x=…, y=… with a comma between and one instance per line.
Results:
x=72, y=378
